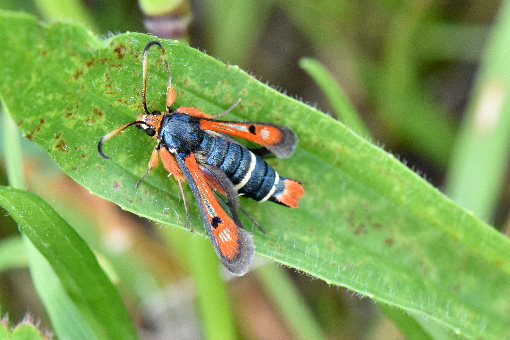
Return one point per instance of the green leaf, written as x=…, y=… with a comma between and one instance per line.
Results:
x=85, y=283
x=366, y=221
x=476, y=177
x=12, y=253
x=64, y=314
x=23, y=331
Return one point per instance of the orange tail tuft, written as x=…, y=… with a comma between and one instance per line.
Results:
x=292, y=193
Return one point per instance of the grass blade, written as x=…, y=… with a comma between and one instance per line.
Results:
x=481, y=155
x=336, y=97
x=83, y=280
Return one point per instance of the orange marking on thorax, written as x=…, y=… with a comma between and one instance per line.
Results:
x=191, y=111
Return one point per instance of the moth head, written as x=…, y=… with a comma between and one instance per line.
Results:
x=150, y=123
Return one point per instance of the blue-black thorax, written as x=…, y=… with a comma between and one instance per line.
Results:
x=181, y=132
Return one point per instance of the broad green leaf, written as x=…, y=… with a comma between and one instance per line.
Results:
x=95, y=298
x=366, y=221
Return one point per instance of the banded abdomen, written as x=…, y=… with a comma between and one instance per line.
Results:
x=250, y=174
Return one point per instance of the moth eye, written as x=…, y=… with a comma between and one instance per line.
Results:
x=150, y=131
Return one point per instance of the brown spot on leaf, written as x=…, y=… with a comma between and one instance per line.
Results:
x=44, y=53
x=120, y=100
x=360, y=229
x=120, y=51
x=83, y=155
x=61, y=146
x=30, y=135
x=389, y=242
x=351, y=220
x=98, y=112
x=116, y=185
x=90, y=63
x=499, y=262
x=57, y=136
x=330, y=244
x=77, y=74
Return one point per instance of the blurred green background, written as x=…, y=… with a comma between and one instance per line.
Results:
x=407, y=67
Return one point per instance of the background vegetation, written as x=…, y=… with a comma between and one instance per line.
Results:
x=430, y=81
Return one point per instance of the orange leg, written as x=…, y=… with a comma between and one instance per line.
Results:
x=172, y=167
x=152, y=163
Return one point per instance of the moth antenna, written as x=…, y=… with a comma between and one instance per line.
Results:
x=170, y=94
x=170, y=97
x=111, y=134
x=144, y=68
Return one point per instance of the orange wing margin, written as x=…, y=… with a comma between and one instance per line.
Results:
x=223, y=228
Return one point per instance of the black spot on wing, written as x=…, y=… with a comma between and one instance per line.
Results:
x=215, y=222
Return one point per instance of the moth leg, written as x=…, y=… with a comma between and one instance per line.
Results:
x=227, y=111
x=252, y=219
x=185, y=203
x=173, y=168
x=152, y=163
x=194, y=112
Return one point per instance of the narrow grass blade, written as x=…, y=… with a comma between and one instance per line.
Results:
x=336, y=97
x=76, y=267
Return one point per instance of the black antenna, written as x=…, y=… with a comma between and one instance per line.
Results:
x=111, y=134
x=144, y=63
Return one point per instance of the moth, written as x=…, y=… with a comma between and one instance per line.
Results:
x=196, y=148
